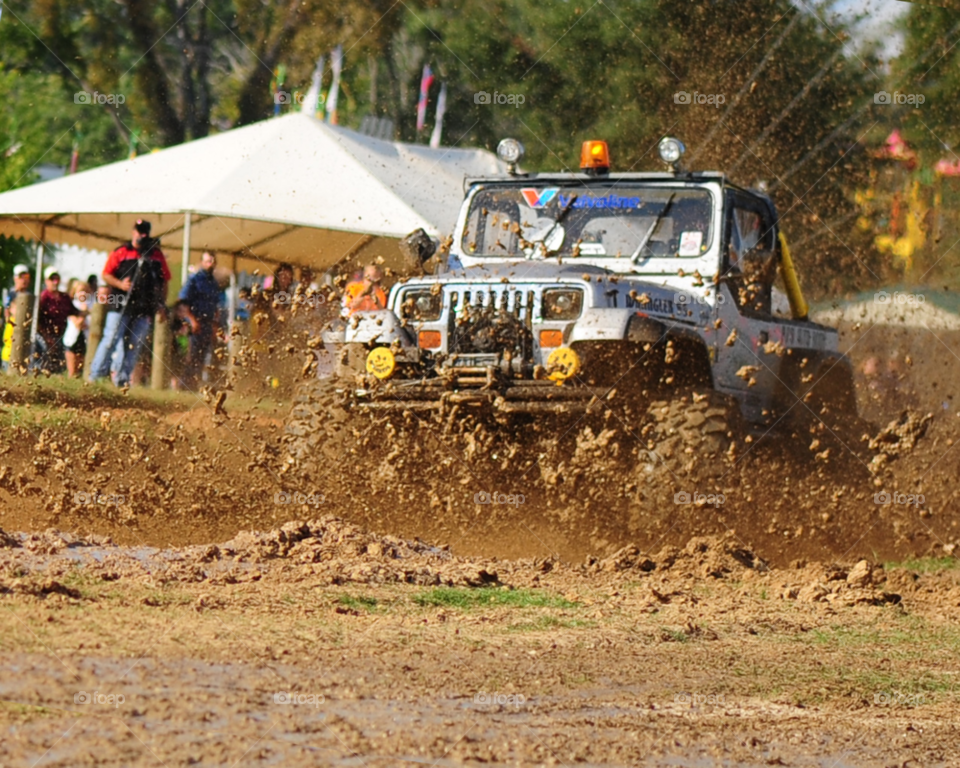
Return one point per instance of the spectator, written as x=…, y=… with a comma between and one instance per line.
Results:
x=93, y=283
x=307, y=279
x=283, y=278
x=244, y=305
x=201, y=295
x=365, y=294
x=137, y=276
x=55, y=308
x=7, y=350
x=78, y=326
x=274, y=300
x=21, y=283
x=180, y=327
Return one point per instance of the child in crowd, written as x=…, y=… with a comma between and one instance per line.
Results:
x=78, y=327
x=180, y=330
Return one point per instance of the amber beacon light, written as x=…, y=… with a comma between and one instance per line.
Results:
x=595, y=157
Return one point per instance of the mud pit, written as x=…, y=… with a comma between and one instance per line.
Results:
x=320, y=643
x=597, y=622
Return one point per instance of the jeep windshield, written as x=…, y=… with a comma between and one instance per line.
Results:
x=596, y=222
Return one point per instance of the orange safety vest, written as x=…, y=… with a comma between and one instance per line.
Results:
x=370, y=303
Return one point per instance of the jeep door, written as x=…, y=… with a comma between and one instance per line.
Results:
x=746, y=363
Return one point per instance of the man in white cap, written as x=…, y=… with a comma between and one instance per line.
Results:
x=21, y=282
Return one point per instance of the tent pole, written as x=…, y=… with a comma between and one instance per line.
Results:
x=38, y=287
x=232, y=297
x=185, y=264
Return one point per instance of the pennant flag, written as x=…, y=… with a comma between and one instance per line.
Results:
x=425, y=81
x=336, y=64
x=311, y=102
x=441, y=111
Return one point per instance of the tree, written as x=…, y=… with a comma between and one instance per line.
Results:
x=783, y=94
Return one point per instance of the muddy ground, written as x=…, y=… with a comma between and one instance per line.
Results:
x=583, y=617
x=322, y=644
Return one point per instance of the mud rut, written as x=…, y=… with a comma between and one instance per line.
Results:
x=577, y=487
x=568, y=486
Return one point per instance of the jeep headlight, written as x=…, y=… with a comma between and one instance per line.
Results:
x=422, y=306
x=562, y=304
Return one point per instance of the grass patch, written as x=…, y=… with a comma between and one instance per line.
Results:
x=542, y=623
x=14, y=712
x=359, y=603
x=25, y=398
x=926, y=564
x=466, y=598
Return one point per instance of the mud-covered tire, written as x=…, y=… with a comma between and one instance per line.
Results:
x=691, y=434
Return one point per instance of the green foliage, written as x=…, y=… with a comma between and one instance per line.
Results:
x=926, y=564
x=14, y=251
x=466, y=598
x=605, y=70
x=928, y=65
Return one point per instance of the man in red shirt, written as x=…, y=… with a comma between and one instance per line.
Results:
x=55, y=307
x=137, y=275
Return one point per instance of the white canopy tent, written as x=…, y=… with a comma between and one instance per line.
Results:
x=286, y=189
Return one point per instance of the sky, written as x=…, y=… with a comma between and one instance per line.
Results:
x=879, y=22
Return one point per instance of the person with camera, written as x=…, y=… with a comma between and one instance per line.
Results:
x=137, y=276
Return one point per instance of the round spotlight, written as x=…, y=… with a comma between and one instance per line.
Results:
x=510, y=151
x=671, y=150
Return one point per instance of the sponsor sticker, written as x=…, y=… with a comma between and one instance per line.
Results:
x=690, y=243
x=539, y=198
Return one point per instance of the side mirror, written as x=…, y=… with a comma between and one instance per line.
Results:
x=416, y=249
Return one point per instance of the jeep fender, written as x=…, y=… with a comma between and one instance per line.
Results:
x=616, y=325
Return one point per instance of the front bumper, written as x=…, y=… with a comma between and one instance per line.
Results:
x=534, y=397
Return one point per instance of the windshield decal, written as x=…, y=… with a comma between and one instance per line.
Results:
x=539, y=198
x=690, y=243
x=607, y=201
